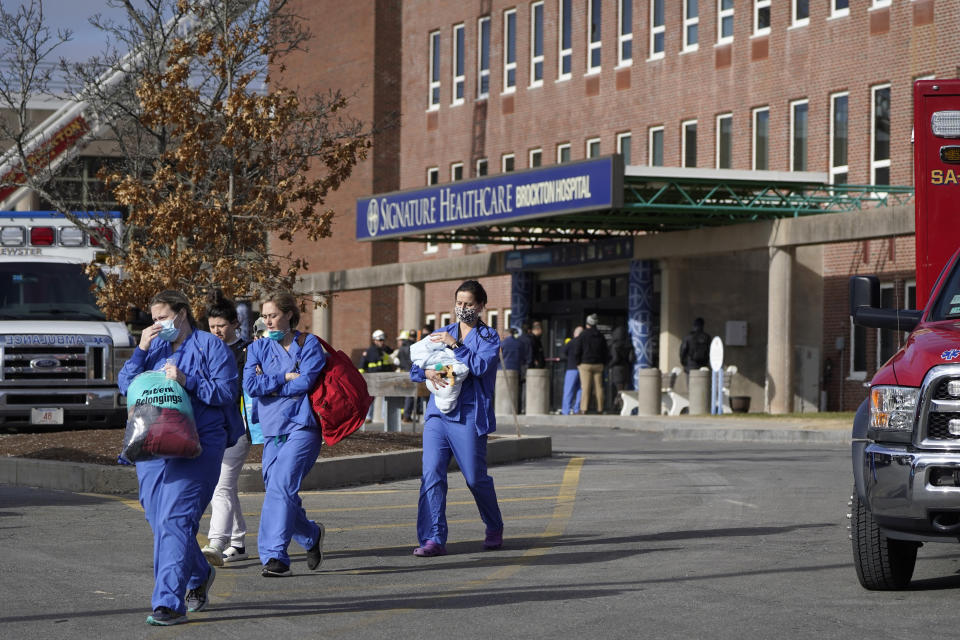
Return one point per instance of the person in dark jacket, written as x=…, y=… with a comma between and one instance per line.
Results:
x=622, y=358
x=591, y=355
x=514, y=351
x=695, y=348
x=401, y=358
x=376, y=359
x=571, y=377
x=532, y=346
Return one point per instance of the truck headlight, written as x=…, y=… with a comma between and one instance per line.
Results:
x=893, y=408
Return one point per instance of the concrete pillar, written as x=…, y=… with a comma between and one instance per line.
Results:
x=778, y=390
x=538, y=392
x=699, y=392
x=413, y=295
x=322, y=319
x=507, y=392
x=672, y=325
x=648, y=392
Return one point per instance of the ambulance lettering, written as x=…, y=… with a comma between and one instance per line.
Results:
x=939, y=176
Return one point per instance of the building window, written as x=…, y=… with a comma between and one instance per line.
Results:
x=623, y=148
x=691, y=25
x=725, y=141
x=433, y=175
x=910, y=294
x=839, y=126
x=761, y=139
x=724, y=21
x=506, y=163
x=565, y=39
x=444, y=319
x=888, y=340
x=536, y=158
x=800, y=13
x=483, y=57
x=563, y=153
x=880, y=135
x=509, y=50
x=689, y=143
x=481, y=168
x=456, y=171
x=655, y=147
x=658, y=29
x=506, y=318
x=430, y=321
x=858, y=352
x=434, y=77
x=799, y=118
x=839, y=8
x=459, y=64
x=536, y=44
x=625, y=28
x=593, y=35
x=492, y=317
x=761, y=17
x=593, y=148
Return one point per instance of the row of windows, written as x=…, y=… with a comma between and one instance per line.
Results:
x=760, y=21
x=724, y=136
x=887, y=340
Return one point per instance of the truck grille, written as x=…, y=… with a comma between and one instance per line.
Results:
x=938, y=409
x=40, y=364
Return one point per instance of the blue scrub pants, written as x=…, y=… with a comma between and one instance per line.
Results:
x=441, y=438
x=174, y=493
x=286, y=462
x=571, y=392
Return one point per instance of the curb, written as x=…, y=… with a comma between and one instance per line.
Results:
x=326, y=474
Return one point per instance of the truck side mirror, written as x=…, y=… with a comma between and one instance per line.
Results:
x=864, y=292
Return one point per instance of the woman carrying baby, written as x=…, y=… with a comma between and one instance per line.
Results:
x=463, y=430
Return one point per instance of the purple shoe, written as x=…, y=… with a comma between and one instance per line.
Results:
x=493, y=539
x=430, y=549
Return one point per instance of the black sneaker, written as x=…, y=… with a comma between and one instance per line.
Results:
x=165, y=617
x=276, y=569
x=315, y=553
x=197, y=598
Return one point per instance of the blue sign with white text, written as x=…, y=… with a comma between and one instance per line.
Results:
x=560, y=189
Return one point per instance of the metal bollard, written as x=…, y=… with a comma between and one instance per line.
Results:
x=699, y=392
x=648, y=392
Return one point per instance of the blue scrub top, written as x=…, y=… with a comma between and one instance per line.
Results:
x=212, y=379
x=480, y=352
x=283, y=407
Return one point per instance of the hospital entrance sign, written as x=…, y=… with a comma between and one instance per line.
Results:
x=589, y=185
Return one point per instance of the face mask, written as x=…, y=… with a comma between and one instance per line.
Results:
x=276, y=335
x=169, y=331
x=466, y=315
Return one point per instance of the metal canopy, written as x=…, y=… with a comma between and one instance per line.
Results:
x=662, y=199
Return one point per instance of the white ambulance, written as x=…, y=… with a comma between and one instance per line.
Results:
x=59, y=356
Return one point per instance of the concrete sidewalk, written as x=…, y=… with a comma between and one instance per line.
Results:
x=726, y=428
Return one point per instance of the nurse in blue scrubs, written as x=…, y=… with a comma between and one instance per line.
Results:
x=279, y=372
x=463, y=431
x=174, y=492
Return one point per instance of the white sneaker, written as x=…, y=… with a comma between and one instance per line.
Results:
x=213, y=554
x=235, y=554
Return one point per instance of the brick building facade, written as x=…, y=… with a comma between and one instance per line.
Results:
x=744, y=85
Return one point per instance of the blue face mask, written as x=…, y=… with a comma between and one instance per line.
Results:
x=169, y=332
x=276, y=335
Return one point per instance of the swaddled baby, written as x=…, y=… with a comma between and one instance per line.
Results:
x=428, y=354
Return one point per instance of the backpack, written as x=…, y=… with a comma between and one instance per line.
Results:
x=339, y=397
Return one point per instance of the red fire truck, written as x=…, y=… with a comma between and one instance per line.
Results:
x=906, y=435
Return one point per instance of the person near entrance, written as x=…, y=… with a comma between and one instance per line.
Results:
x=591, y=354
x=534, y=347
x=622, y=357
x=695, y=348
x=376, y=359
x=571, y=376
